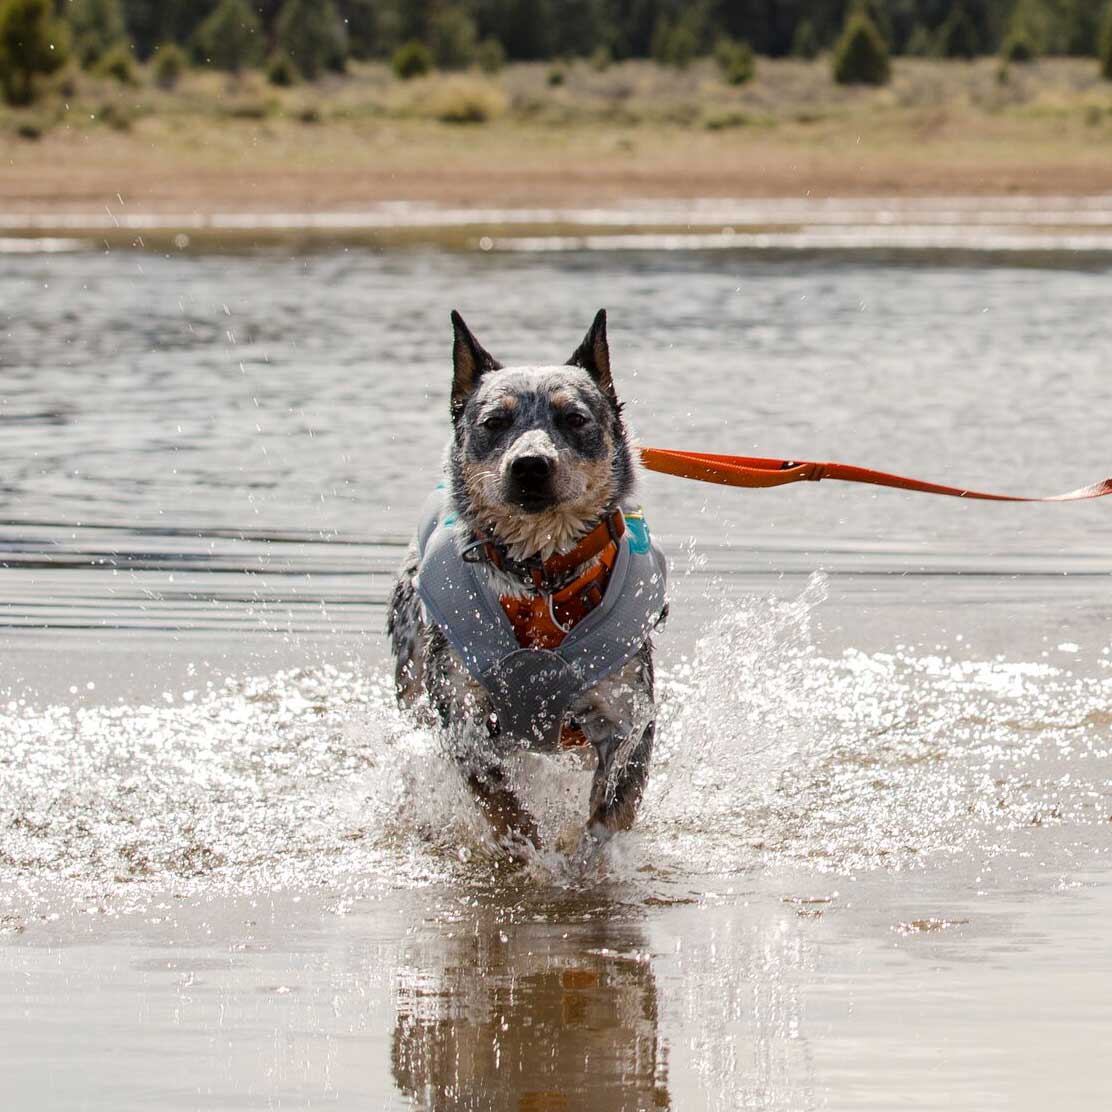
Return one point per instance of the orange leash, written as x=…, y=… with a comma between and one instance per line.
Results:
x=746, y=471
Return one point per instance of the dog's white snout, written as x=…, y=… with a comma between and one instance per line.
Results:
x=534, y=443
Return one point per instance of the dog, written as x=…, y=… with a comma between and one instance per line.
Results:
x=523, y=613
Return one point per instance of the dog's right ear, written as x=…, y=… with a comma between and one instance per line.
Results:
x=470, y=361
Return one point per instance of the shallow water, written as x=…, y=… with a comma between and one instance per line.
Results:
x=872, y=867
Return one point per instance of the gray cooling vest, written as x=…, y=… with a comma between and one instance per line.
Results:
x=532, y=689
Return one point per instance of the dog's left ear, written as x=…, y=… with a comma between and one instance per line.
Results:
x=593, y=355
x=470, y=360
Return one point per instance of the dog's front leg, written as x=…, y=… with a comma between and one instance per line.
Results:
x=464, y=710
x=619, y=720
x=618, y=784
x=481, y=767
x=512, y=824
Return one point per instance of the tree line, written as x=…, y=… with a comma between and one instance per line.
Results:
x=545, y=29
x=301, y=39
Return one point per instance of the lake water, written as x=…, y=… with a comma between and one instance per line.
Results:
x=872, y=869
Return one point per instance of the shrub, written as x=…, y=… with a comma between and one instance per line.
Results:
x=116, y=116
x=249, y=108
x=861, y=56
x=958, y=37
x=805, y=41
x=98, y=26
x=674, y=44
x=231, y=37
x=555, y=77
x=312, y=33
x=463, y=100
x=1105, y=45
x=920, y=43
x=491, y=55
x=452, y=38
x=280, y=70
x=1018, y=47
x=720, y=121
x=735, y=61
x=170, y=63
x=32, y=44
x=87, y=49
x=118, y=64
x=601, y=59
x=411, y=59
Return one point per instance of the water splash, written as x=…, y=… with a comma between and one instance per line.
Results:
x=768, y=752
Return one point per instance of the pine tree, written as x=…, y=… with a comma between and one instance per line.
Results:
x=98, y=26
x=32, y=43
x=312, y=34
x=231, y=37
x=1105, y=45
x=453, y=38
x=861, y=56
x=805, y=41
x=958, y=37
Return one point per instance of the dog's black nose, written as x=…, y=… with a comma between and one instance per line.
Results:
x=530, y=469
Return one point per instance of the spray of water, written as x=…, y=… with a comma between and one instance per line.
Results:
x=766, y=751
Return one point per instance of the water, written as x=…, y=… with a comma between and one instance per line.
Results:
x=872, y=866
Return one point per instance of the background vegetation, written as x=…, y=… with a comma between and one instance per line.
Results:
x=301, y=40
x=308, y=102
x=330, y=30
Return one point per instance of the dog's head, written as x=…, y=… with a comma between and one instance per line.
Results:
x=540, y=454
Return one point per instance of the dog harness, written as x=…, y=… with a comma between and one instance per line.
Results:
x=535, y=655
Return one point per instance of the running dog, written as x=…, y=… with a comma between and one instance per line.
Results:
x=523, y=614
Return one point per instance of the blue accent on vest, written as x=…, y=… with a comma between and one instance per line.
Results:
x=638, y=530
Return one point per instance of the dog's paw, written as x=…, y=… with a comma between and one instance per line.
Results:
x=588, y=852
x=519, y=848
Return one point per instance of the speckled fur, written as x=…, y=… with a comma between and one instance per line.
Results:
x=500, y=414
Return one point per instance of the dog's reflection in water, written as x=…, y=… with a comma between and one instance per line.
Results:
x=530, y=1017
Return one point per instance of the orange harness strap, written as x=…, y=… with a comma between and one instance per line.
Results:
x=543, y=619
x=747, y=471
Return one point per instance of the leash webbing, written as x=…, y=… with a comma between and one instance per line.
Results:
x=749, y=471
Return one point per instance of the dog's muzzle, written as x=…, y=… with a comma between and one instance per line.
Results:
x=529, y=483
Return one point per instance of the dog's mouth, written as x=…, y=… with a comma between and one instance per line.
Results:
x=531, y=500
x=529, y=484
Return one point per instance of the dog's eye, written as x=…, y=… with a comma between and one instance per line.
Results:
x=496, y=422
x=575, y=420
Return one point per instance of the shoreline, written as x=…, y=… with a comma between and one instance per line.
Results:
x=925, y=225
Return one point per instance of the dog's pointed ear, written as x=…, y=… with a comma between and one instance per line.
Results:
x=593, y=355
x=470, y=361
